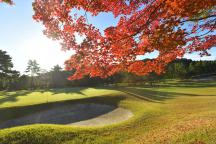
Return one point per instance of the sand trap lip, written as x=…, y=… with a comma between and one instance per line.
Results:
x=77, y=114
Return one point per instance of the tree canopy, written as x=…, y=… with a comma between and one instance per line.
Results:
x=32, y=68
x=171, y=27
x=57, y=68
x=5, y=62
x=7, y=75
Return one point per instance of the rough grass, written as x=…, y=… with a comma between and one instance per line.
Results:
x=167, y=114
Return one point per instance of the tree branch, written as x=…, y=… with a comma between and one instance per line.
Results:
x=198, y=19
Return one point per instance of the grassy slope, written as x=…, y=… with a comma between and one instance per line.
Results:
x=168, y=114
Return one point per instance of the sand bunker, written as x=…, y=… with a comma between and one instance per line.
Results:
x=78, y=114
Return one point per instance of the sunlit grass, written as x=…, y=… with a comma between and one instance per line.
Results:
x=25, y=97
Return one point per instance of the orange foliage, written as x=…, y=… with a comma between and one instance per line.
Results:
x=172, y=27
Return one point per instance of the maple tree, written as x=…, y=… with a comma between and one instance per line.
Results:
x=171, y=27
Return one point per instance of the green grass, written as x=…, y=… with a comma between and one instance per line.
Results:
x=25, y=97
x=176, y=112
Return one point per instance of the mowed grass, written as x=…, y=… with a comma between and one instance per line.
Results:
x=176, y=112
x=25, y=97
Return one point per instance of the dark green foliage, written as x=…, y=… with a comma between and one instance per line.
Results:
x=185, y=68
x=5, y=62
x=7, y=75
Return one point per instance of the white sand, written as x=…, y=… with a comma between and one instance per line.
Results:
x=78, y=114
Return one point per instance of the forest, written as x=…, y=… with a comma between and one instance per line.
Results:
x=38, y=78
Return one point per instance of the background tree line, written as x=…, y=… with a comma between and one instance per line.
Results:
x=36, y=78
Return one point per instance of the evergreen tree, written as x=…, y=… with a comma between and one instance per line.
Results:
x=33, y=70
x=7, y=75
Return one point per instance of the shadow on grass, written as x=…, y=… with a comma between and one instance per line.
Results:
x=16, y=112
x=77, y=90
x=191, y=83
x=153, y=95
x=13, y=96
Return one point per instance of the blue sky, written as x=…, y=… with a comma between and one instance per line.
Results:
x=23, y=39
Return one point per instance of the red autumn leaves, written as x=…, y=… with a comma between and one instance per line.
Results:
x=171, y=27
